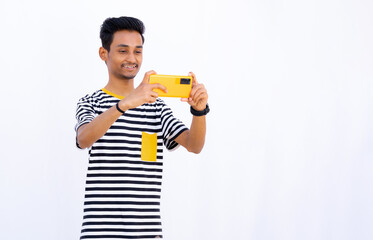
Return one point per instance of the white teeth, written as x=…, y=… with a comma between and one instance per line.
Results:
x=129, y=66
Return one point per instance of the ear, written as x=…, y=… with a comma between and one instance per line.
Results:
x=103, y=53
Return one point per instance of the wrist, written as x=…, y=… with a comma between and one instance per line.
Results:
x=200, y=113
x=123, y=106
x=119, y=109
x=199, y=108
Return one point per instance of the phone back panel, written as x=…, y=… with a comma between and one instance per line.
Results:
x=177, y=86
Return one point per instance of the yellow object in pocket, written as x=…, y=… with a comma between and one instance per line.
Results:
x=149, y=147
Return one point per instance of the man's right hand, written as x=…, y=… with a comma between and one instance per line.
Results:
x=89, y=133
x=142, y=94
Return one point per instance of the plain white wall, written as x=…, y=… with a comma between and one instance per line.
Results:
x=289, y=145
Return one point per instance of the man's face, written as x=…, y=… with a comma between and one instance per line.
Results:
x=125, y=56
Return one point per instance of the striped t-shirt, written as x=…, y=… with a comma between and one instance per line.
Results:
x=123, y=186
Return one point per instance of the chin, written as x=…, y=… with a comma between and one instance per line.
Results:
x=127, y=76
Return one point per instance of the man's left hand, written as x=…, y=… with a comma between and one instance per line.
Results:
x=198, y=96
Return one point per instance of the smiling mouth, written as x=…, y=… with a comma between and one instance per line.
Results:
x=129, y=66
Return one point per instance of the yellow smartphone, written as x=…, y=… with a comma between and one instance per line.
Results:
x=177, y=86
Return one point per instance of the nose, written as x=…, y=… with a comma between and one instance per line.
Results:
x=131, y=57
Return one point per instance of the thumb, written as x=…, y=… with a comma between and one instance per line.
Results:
x=147, y=76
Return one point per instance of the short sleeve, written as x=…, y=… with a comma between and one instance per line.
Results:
x=85, y=112
x=171, y=128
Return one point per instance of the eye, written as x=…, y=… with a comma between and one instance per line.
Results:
x=138, y=52
x=122, y=51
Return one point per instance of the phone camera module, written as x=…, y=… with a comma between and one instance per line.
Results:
x=185, y=81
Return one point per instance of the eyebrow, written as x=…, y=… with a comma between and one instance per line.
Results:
x=125, y=45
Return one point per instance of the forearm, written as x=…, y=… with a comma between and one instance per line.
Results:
x=89, y=133
x=196, y=135
x=194, y=139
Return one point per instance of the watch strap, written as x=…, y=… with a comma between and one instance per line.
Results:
x=118, y=108
x=200, y=113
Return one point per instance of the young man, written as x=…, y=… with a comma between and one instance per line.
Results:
x=125, y=129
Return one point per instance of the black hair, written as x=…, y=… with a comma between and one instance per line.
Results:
x=112, y=25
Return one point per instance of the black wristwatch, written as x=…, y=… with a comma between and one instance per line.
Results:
x=200, y=113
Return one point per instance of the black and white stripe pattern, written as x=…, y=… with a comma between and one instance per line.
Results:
x=122, y=198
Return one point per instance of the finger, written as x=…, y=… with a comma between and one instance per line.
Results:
x=152, y=100
x=152, y=97
x=154, y=94
x=193, y=77
x=190, y=101
x=198, y=95
x=147, y=76
x=159, y=86
x=194, y=89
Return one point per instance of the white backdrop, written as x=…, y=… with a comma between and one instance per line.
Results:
x=289, y=146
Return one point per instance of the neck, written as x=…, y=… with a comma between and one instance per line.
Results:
x=122, y=87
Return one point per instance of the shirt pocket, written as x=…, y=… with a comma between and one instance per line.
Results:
x=149, y=147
